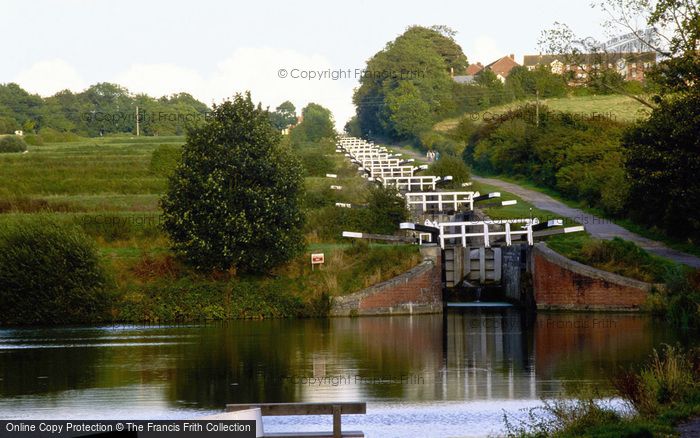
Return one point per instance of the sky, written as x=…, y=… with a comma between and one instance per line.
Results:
x=214, y=49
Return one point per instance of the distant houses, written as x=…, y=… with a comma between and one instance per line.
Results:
x=500, y=67
x=631, y=66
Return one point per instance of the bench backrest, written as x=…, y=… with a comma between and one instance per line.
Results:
x=275, y=409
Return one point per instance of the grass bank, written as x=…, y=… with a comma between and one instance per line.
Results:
x=109, y=188
x=615, y=106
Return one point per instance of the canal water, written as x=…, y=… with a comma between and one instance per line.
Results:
x=429, y=376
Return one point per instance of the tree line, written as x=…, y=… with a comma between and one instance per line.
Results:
x=101, y=109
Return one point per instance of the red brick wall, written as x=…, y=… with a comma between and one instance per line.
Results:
x=422, y=288
x=418, y=290
x=564, y=284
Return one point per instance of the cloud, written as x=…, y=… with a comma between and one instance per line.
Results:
x=260, y=70
x=160, y=79
x=250, y=69
x=484, y=49
x=309, y=78
x=50, y=76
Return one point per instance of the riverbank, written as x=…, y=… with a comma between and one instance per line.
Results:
x=109, y=189
x=658, y=398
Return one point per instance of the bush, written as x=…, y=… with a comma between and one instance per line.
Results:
x=451, y=166
x=49, y=274
x=625, y=258
x=386, y=210
x=669, y=377
x=316, y=163
x=581, y=158
x=680, y=299
x=50, y=135
x=12, y=143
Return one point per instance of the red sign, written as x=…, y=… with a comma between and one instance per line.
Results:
x=317, y=259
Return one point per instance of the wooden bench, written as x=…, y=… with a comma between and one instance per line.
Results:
x=335, y=409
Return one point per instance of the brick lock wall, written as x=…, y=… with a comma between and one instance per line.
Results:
x=560, y=283
x=421, y=288
x=418, y=290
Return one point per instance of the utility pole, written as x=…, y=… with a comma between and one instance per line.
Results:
x=137, y=120
x=537, y=107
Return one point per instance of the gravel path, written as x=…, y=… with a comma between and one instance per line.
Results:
x=690, y=429
x=598, y=227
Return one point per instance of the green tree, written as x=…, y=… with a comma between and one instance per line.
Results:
x=385, y=210
x=419, y=56
x=455, y=167
x=234, y=200
x=408, y=112
x=317, y=123
x=663, y=164
x=285, y=115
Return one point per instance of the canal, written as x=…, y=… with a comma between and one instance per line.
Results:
x=433, y=375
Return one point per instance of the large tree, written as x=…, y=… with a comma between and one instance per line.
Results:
x=422, y=57
x=317, y=123
x=233, y=201
x=284, y=116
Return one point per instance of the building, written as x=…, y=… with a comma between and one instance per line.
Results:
x=501, y=68
x=631, y=66
x=473, y=69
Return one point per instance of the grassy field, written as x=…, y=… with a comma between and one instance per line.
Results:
x=617, y=107
x=110, y=187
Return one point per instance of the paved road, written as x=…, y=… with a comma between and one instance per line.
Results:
x=596, y=226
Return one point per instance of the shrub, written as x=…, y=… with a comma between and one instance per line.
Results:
x=453, y=166
x=316, y=163
x=12, y=143
x=625, y=258
x=681, y=298
x=581, y=158
x=49, y=274
x=386, y=210
x=328, y=223
x=51, y=135
x=669, y=377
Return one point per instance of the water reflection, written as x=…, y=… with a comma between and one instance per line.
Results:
x=467, y=355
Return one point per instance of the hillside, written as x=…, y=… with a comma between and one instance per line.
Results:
x=617, y=107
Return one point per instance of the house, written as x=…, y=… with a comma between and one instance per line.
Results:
x=473, y=69
x=502, y=67
x=630, y=65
